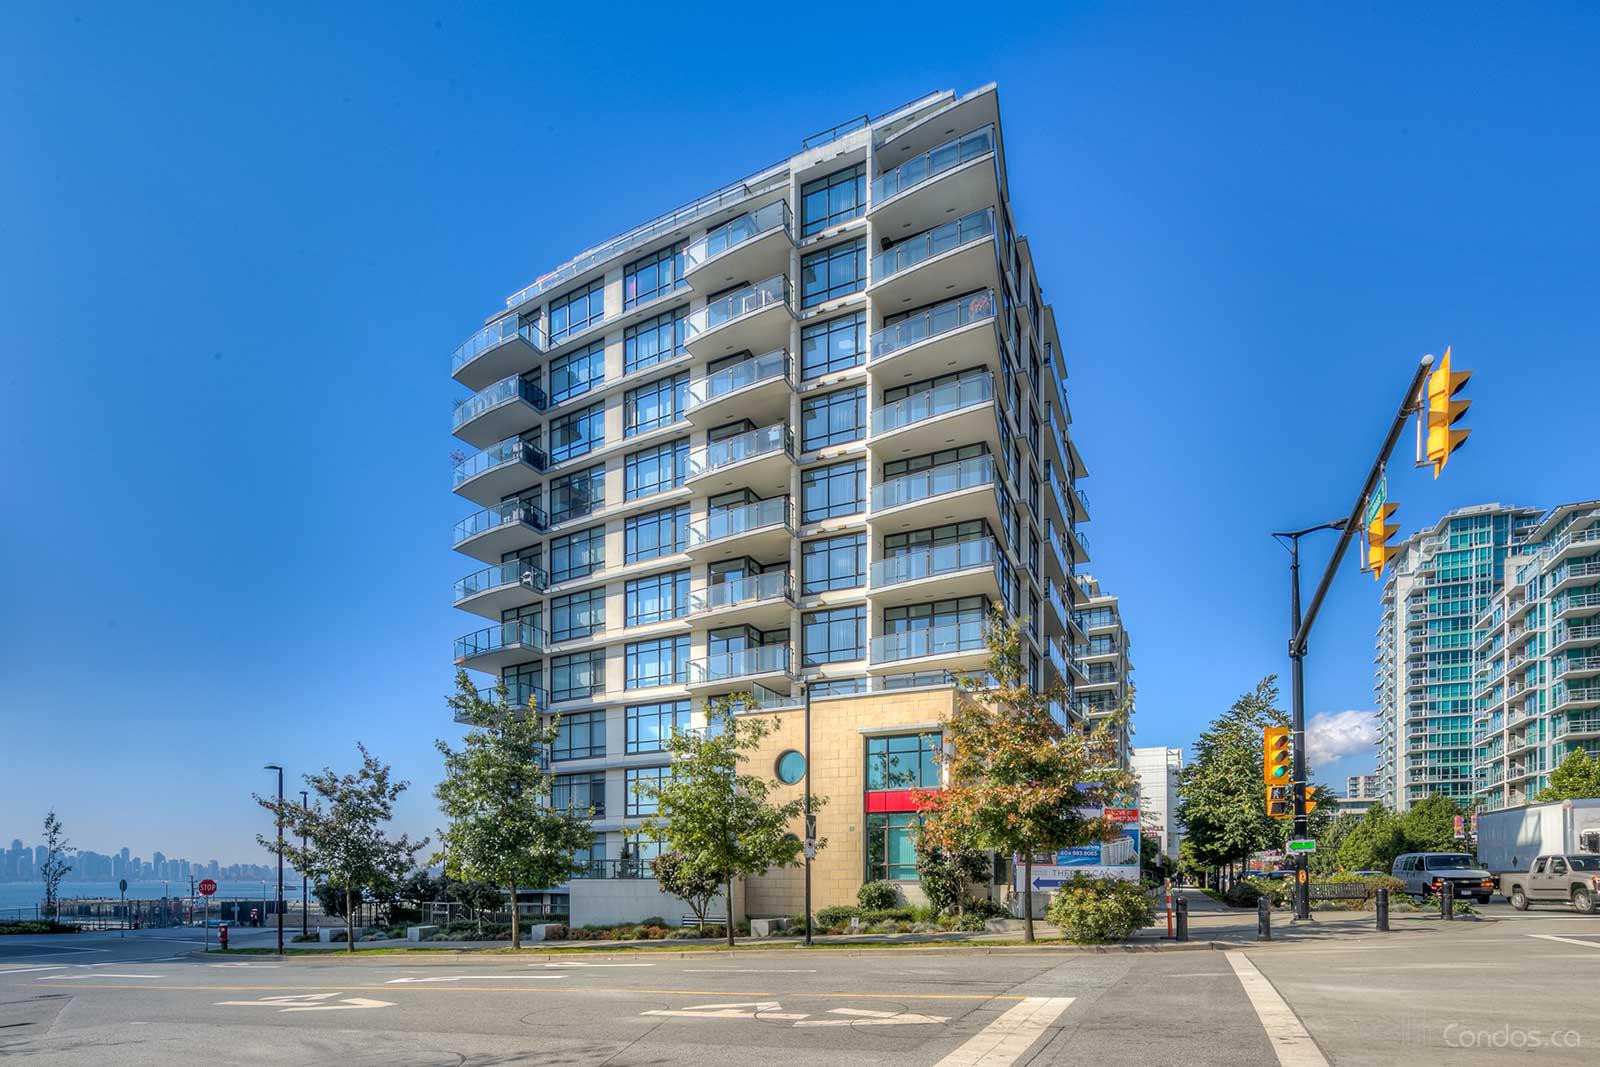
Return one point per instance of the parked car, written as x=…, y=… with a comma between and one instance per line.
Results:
x=1568, y=879
x=1425, y=872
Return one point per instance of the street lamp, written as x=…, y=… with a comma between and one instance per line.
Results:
x=809, y=845
x=279, y=814
x=303, y=899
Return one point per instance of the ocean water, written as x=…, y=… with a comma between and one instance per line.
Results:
x=14, y=895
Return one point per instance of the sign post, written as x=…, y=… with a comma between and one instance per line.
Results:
x=207, y=887
x=122, y=892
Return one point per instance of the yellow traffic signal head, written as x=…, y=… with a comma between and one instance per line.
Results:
x=1278, y=806
x=1443, y=412
x=1312, y=794
x=1379, y=530
x=1275, y=755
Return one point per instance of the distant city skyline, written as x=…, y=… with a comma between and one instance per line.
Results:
x=20, y=863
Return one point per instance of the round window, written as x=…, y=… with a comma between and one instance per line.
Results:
x=791, y=767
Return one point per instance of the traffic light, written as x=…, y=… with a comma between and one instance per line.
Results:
x=1379, y=530
x=1275, y=770
x=1311, y=797
x=1442, y=413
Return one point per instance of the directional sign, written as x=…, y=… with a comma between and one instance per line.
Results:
x=207, y=887
x=1302, y=845
x=772, y=1011
x=1379, y=497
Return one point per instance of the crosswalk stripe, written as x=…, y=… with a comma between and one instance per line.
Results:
x=1290, y=1040
x=1567, y=940
x=1004, y=1041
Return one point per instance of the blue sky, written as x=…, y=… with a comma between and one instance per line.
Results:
x=238, y=246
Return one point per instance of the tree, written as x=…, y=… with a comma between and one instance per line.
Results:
x=718, y=820
x=55, y=865
x=693, y=886
x=496, y=795
x=343, y=827
x=1325, y=860
x=1018, y=781
x=1429, y=825
x=946, y=871
x=1576, y=778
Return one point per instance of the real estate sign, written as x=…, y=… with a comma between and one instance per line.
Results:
x=1118, y=858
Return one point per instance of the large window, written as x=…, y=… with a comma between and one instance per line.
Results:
x=834, y=418
x=829, y=492
x=891, y=846
x=577, y=555
x=578, y=614
x=578, y=372
x=637, y=783
x=653, y=276
x=833, y=200
x=655, y=534
x=581, y=735
x=661, y=662
x=578, y=310
x=833, y=563
x=660, y=403
x=833, y=272
x=649, y=725
x=657, y=598
x=835, y=345
x=581, y=794
x=577, y=434
x=582, y=674
x=904, y=761
x=653, y=340
x=655, y=470
x=836, y=636
x=578, y=493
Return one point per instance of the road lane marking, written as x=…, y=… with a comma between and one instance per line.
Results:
x=1566, y=940
x=1004, y=1041
x=496, y=977
x=748, y=970
x=586, y=991
x=867, y=1017
x=567, y=966
x=743, y=1009
x=306, y=1002
x=1290, y=1039
x=92, y=977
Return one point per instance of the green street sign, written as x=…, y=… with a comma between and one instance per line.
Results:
x=1379, y=497
x=1302, y=846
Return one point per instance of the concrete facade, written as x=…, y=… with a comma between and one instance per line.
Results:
x=1158, y=770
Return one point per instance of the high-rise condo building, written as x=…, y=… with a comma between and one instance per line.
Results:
x=1107, y=663
x=1159, y=771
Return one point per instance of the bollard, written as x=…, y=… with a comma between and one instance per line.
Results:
x=1383, y=909
x=1183, y=918
x=1263, y=919
x=1447, y=900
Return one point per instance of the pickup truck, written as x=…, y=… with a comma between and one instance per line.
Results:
x=1556, y=879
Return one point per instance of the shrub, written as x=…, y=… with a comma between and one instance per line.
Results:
x=653, y=920
x=1096, y=910
x=555, y=932
x=37, y=926
x=877, y=896
x=988, y=909
x=837, y=915
x=1243, y=894
x=881, y=915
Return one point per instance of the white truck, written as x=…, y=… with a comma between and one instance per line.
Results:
x=1510, y=840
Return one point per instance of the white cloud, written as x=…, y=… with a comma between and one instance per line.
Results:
x=1335, y=735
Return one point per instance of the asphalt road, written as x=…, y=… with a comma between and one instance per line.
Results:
x=1518, y=990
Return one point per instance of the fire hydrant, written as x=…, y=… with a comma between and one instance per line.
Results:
x=222, y=936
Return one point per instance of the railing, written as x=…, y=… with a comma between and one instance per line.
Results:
x=742, y=229
x=512, y=572
x=633, y=867
x=746, y=301
x=934, y=322
x=925, y=246
x=496, y=333
x=1573, y=696
x=505, y=513
x=774, y=364
x=745, y=518
x=1573, y=633
x=935, y=481
x=1578, y=724
x=932, y=163
x=724, y=666
x=931, y=562
x=1577, y=601
x=940, y=400
x=940, y=640
x=1574, y=570
x=1057, y=660
x=749, y=590
x=1052, y=593
x=495, y=395
x=518, y=695
x=507, y=635
x=512, y=450
x=731, y=450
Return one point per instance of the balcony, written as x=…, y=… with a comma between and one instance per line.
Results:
x=1563, y=636
x=1571, y=574
x=949, y=336
x=505, y=585
x=520, y=698
x=1057, y=615
x=496, y=647
x=727, y=672
x=956, y=646
x=1579, y=667
x=958, y=257
x=753, y=319
x=758, y=389
x=497, y=472
x=761, y=530
x=760, y=600
x=760, y=460
x=1572, y=544
x=962, y=568
x=918, y=193
x=967, y=489
x=1578, y=727
x=505, y=409
x=1578, y=606
x=754, y=245
x=1574, y=699
x=497, y=351
x=953, y=414
x=489, y=534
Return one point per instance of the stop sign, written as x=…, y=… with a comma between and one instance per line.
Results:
x=207, y=887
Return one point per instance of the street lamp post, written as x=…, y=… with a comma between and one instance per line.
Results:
x=279, y=814
x=809, y=845
x=303, y=899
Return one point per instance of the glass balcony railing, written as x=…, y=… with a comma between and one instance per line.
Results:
x=940, y=400
x=745, y=518
x=1052, y=593
x=736, y=305
x=514, y=450
x=731, y=450
x=772, y=365
x=507, y=636
x=1057, y=660
x=742, y=229
x=506, y=513
x=491, y=336
x=938, y=320
x=935, y=481
x=495, y=395
x=518, y=695
x=513, y=572
x=750, y=590
x=925, y=246
x=932, y=163
x=931, y=562
x=946, y=639
x=726, y=666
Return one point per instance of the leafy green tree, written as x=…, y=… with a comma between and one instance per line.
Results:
x=693, y=886
x=1430, y=825
x=1576, y=778
x=1373, y=842
x=55, y=865
x=1325, y=860
x=495, y=794
x=1017, y=780
x=343, y=827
